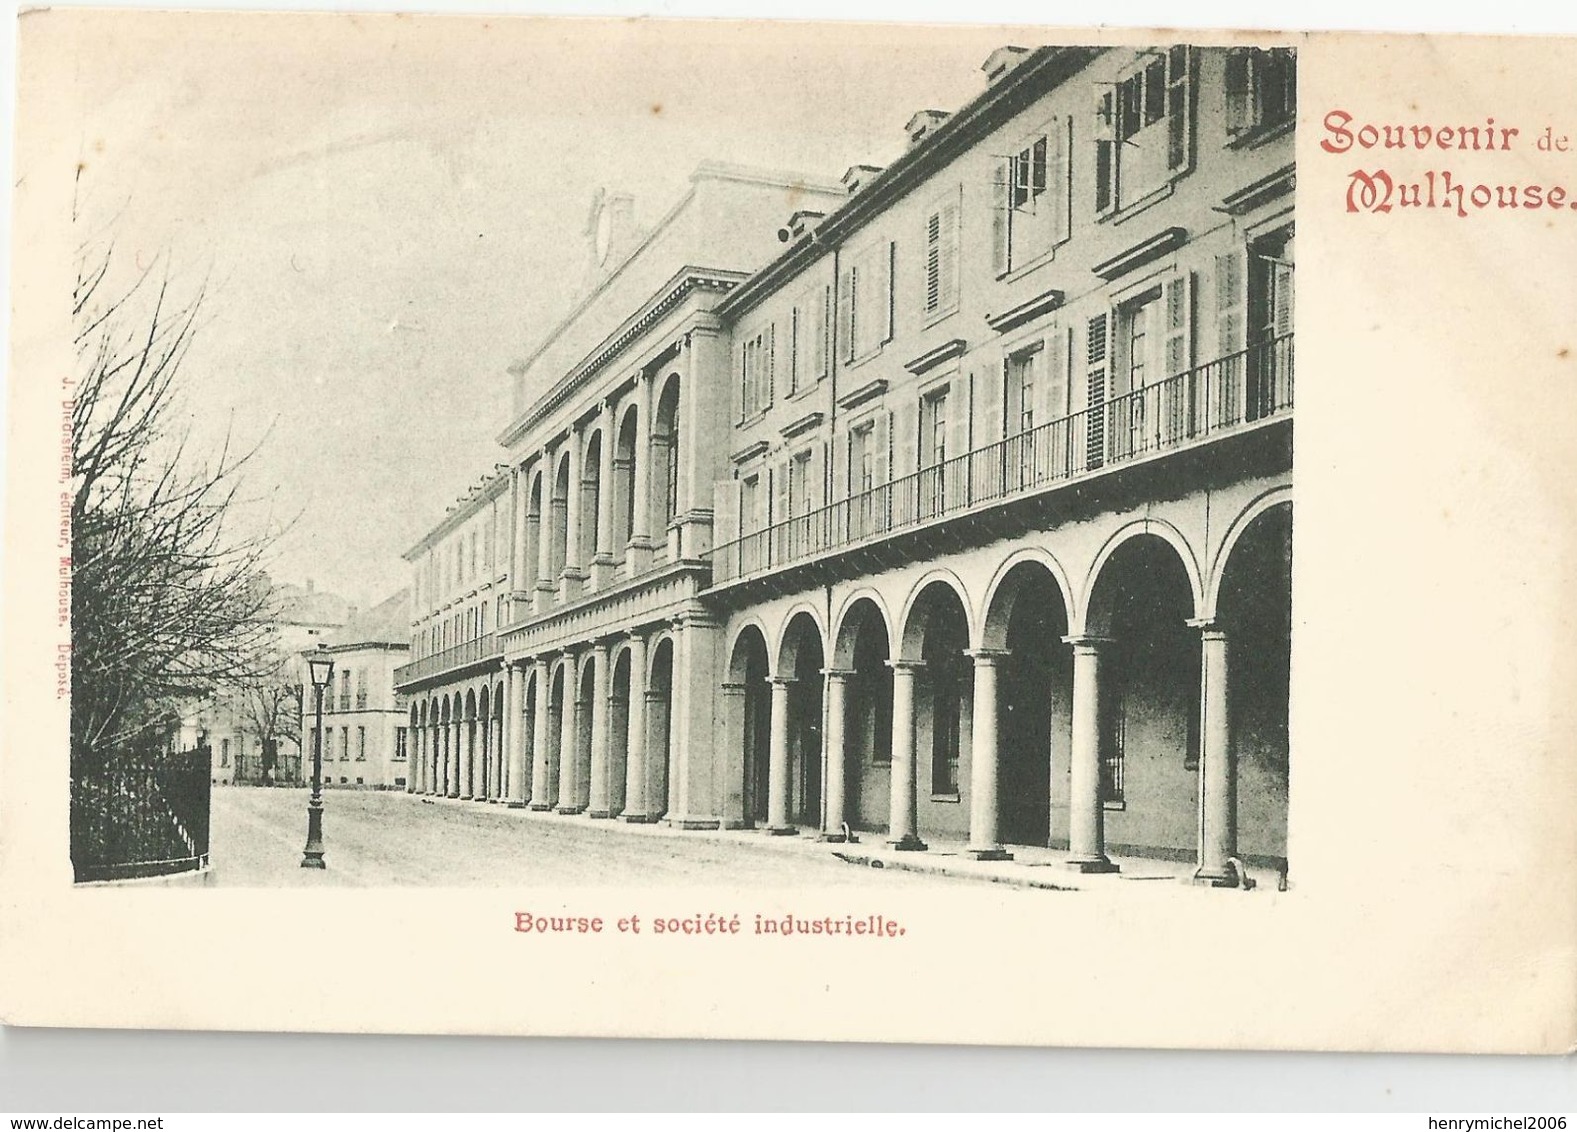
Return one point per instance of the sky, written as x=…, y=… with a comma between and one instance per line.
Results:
x=388, y=211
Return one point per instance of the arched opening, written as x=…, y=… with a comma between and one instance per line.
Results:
x=618, y=732
x=484, y=716
x=1141, y=603
x=468, y=747
x=558, y=522
x=666, y=453
x=624, y=457
x=863, y=652
x=1028, y=618
x=937, y=635
x=800, y=661
x=659, y=725
x=527, y=722
x=585, y=693
x=558, y=688
x=1254, y=610
x=748, y=671
x=590, y=501
x=532, y=550
x=451, y=713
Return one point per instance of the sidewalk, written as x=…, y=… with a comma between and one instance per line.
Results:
x=1031, y=866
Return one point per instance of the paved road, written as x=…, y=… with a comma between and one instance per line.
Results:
x=376, y=839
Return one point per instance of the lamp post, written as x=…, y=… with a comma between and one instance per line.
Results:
x=321, y=666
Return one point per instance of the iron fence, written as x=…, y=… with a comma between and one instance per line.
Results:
x=140, y=814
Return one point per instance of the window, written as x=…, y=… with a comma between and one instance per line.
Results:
x=862, y=478
x=808, y=354
x=755, y=372
x=751, y=520
x=344, y=744
x=941, y=257
x=933, y=453
x=1022, y=373
x=946, y=723
x=1261, y=90
x=1143, y=129
x=224, y=752
x=865, y=302
x=361, y=744
x=800, y=487
x=1270, y=295
x=399, y=750
x=1031, y=214
x=1114, y=727
x=361, y=688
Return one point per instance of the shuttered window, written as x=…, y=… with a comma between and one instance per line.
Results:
x=1032, y=197
x=941, y=256
x=1143, y=128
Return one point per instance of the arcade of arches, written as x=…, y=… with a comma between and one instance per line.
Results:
x=1142, y=708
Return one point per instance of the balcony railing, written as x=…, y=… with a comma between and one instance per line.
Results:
x=1223, y=395
x=474, y=651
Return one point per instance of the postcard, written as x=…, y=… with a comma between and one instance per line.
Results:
x=791, y=530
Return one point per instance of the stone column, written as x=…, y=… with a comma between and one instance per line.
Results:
x=514, y=736
x=569, y=581
x=778, y=759
x=835, y=752
x=1086, y=813
x=638, y=554
x=692, y=800
x=599, y=804
x=903, y=807
x=415, y=755
x=456, y=748
x=637, y=807
x=569, y=746
x=468, y=759
x=1218, y=766
x=541, y=772
x=547, y=584
x=985, y=762
x=602, y=564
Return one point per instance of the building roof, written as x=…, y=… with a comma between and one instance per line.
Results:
x=387, y=623
x=307, y=605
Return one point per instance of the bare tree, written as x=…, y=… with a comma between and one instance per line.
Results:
x=167, y=603
x=271, y=712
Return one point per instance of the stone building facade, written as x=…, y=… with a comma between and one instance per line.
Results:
x=963, y=517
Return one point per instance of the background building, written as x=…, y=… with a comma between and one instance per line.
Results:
x=967, y=517
x=364, y=734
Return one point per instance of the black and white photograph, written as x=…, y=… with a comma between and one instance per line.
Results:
x=610, y=517
x=788, y=531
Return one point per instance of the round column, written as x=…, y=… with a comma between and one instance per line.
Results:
x=985, y=766
x=903, y=807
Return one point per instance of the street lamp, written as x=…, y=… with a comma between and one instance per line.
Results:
x=321, y=665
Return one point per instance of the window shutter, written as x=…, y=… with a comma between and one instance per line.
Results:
x=772, y=362
x=1281, y=297
x=1231, y=300
x=744, y=381
x=1105, y=148
x=906, y=432
x=881, y=450
x=958, y=418
x=1178, y=304
x=1096, y=349
x=1001, y=216
x=1238, y=91
x=1055, y=398
x=1179, y=108
x=725, y=511
x=1062, y=178
x=846, y=314
x=838, y=456
x=820, y=297
x=948, y=257
x=988, y=404
x=933, y=263
x=794, y=349
x=887, y=260
x=780, y=493
x=818, y=475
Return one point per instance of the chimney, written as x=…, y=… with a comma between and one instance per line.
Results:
x=856, y=177
x=1003, y=60
x=923, y=123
